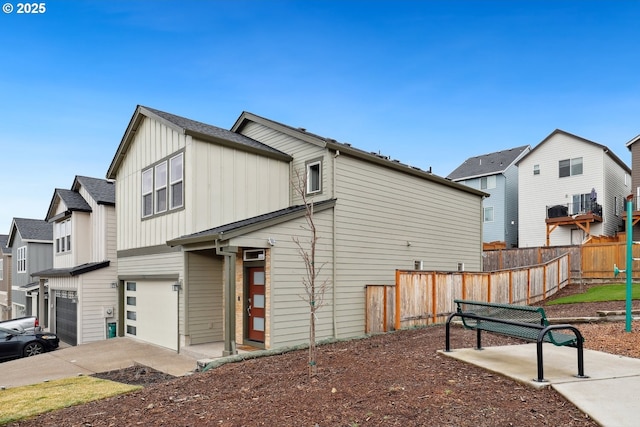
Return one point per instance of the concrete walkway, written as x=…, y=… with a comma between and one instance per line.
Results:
x=609, y=396
x=87, y=359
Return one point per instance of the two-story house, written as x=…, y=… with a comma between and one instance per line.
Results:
x=208, y=217
x=634, y=193
x=83, y=280
x=5, y=278
x=570, y=188
x=30, y=241
x=496, y=174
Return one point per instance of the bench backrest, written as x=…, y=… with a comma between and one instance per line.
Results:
x=518, y=313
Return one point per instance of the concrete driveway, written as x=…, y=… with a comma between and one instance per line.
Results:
x=87, y=359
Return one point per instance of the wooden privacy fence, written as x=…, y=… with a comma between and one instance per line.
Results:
x=592, y=261
x=421, y=298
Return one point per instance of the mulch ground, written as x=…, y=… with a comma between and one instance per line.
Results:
x=395, y=379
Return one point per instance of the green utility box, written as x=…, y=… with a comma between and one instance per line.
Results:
x=111, y=330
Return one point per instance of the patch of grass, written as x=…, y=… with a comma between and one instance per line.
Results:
x=23, y=402
x=600, y=294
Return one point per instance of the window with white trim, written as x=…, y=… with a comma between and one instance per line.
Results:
x=62, y=236
x=314, y=177
x=163, y=186
x=570, y=167
x=176, y=181
x=536, y=169
x=22, y=259
x=147, y=193
x=488, y=214
x=488, y=182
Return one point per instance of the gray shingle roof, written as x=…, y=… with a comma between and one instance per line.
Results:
x=487, y=164
x=253, y=223
x=213, y=131
x=103, y=191
x=34, y=229
x=4, y=238
x=73, y=200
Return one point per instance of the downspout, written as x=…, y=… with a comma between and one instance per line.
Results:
x=229, y=299
x=333, y=249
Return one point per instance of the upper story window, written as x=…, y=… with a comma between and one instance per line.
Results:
x=488, y=182
x=1, y=269
x=570, y=167
x=536, y=169
x=488, y=214
x=22, y=259
x=314, y=177
x=162, y=186
x=176, y=179
x=62, y=236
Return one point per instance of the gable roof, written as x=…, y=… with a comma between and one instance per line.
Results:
x=595, y=144
x=31, y=230
x=348, y=149
x=487, y=164
x=255, y=223
x=199, y=130
x=4, y=238
x=101, y=190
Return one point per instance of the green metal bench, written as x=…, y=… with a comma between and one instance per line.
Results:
x=518, y=321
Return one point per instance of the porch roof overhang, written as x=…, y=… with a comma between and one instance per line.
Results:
x=72, y=271
x=240, y=228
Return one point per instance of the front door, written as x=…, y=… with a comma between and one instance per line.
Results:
x=256, y=304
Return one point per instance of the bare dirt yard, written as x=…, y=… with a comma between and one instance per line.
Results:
x=395, y=379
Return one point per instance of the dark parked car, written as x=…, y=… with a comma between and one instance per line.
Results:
x=15, y=344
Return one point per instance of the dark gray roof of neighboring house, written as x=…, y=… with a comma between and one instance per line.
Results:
x=72, y=271
x=250, y=224
x=4, y=238
x=103, y=191
x=199, y=130
x=32, y=230
x=73, y=200
x=487, y=164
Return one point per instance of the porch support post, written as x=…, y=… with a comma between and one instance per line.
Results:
x=229, y=254
x=41, y=303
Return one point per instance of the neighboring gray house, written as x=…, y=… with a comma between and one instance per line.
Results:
x=496, y=174
x=207, y=217
x=5, y=278
x=82, y=282
x=30, y=241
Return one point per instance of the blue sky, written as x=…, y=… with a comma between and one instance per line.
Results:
x=429, y=83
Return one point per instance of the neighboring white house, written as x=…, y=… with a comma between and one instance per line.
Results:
x=570, y=188
x=496, y=174
x=83, y=281
x=207, y=218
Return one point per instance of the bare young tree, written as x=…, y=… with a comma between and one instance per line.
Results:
x=315, y=288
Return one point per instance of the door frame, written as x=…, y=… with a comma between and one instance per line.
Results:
x=247, y=265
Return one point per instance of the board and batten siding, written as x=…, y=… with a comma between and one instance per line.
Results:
x=386, y=220
x=204, y=293
x=221, y=185
x=548, y=189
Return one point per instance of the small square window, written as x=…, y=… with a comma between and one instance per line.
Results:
x=314, y=177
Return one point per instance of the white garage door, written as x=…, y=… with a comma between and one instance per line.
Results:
x=151, y=312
